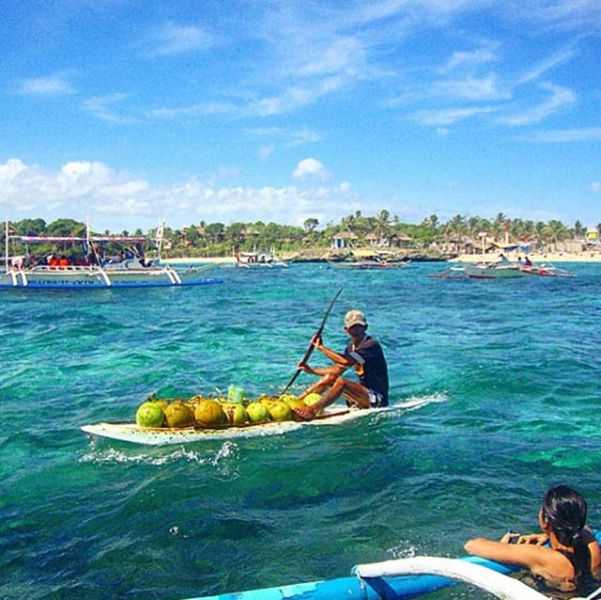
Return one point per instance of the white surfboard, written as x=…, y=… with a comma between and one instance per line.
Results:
x=164, y=436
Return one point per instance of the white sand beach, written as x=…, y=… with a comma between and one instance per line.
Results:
x=197, y=260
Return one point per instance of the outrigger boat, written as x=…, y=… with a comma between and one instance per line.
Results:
x=251, y=260
x=375, y=262
x=92, y=269
x=501, y=271
x=405, y=578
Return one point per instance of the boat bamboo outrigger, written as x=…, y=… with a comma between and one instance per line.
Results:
x=92, y=268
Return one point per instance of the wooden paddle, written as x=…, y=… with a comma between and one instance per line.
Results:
x=311, y=346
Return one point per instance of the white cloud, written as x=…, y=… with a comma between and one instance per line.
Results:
x=557, y=58
x=469, y=58
x=194, y=110
x=437, y=118
x=45, y=86
x=172, y=39
x=595, y=186
x=103, y=108
x=584, y=134
x=289, y=138
x=310, y=168
x=560, y=97
x=266, y=150
x=80, y=188
x=472, y=88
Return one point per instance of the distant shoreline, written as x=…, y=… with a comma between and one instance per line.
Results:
x=545, y=257
x=196, y=260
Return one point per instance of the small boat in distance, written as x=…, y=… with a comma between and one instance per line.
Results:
x=252, y=260
x=86, y=262
x=501, y=270
x=372, y=262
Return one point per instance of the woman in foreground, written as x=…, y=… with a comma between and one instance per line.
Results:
x=565, y=556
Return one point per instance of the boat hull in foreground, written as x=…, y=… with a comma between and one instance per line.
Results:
x=399, y=580
x=94, y=277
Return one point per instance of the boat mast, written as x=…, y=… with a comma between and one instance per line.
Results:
x=6, y=231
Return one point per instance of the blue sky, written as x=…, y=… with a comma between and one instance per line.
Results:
x=130, y=111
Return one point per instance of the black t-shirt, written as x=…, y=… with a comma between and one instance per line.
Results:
x=370, y=365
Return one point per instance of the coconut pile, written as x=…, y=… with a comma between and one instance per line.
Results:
x=203, y=412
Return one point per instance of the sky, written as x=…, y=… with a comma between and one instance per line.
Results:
x=131, y=112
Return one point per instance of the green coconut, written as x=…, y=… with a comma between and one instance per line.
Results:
x=311, y=399
x=267, y=400
x=293, y=402
x=258, y=412
x=280, y=411
x=179, y=414
x=235, y=413
x=209, y=413
x=150, y=414
x=162, y=403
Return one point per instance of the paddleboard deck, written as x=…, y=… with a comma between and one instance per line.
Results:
x=164, y=436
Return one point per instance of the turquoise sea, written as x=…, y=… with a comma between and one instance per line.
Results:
x=510, y=370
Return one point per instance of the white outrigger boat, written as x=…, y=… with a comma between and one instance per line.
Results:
x=374, y=263
x=251, y=260
x=131, y=270
x=501, y=271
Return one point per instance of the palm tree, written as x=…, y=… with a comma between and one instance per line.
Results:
x=383, y=224
x=554, y=231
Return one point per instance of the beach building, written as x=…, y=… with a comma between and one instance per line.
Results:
x=344, y=240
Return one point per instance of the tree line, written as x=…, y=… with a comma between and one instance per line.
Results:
x=220, y=239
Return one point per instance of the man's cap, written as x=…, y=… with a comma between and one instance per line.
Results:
x=354, y=317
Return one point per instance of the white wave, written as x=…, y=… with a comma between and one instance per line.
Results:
x=159, y=457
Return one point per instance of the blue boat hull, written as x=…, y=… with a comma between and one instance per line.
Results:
x=353, y=588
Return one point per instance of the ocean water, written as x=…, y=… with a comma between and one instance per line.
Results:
x=509, y=375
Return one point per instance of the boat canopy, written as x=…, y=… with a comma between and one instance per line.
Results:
x=94, y=238
x=523, y=247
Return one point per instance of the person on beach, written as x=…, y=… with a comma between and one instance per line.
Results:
x=565, y=556
x=365, y=355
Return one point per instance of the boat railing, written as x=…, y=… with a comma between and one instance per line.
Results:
x=62, y=268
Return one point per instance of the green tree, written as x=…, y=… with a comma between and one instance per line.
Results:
x=65, y=228
x=310, y=225
x=34, y=227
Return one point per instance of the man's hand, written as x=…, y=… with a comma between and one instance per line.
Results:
x=317, y=341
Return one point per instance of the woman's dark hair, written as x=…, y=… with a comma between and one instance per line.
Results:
x=564, y=510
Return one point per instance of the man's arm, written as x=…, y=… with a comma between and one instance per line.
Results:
x=335, y=357
x=335, y=370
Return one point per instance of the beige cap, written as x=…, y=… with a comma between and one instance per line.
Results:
x=354, y=317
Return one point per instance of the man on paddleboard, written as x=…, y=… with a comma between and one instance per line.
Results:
x=365, y=355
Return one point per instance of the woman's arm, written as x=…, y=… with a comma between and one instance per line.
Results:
x=526, y=555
